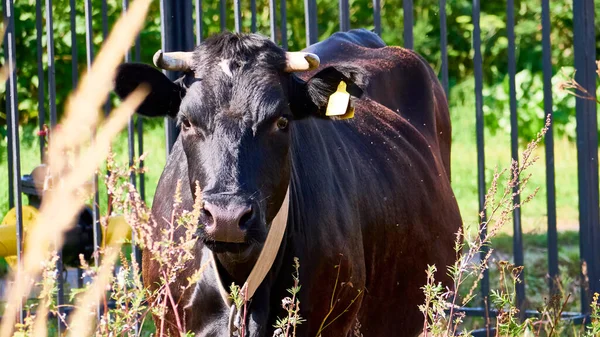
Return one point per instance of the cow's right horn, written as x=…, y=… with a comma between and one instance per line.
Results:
x=174, y=61
x=299, y=61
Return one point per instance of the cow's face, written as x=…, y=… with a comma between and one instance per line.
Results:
x=236, y=104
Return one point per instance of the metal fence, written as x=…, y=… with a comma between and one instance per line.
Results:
x=180, y=32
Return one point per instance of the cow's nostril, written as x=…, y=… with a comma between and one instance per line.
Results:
x=206, y=217
x=245, y=219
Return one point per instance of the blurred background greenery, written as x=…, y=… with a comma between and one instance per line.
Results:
x=426, y=41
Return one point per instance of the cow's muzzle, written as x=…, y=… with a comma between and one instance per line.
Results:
x=227, y=223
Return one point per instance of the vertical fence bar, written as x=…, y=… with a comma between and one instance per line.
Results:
x=11, y=188
x=53, y=122
x=199, y=23
x=514, y=142
x=377, y=16
x=584, y=45
x=177, y=34
x=408, y=23
x=284, y=40
x=549, y=148
x=51, y=69
x=237, y=11
x=74, y=61
x=444, y=46
x=345, y=15
x=253, y=17
x=104, y=11
x=273, y=20
x=89, y=48
x=223, y=4
x=130, y=124
x=165, y=29
x=140, y=133
x=107, y=107
x=478, y=67
x=135, y=253
x=310, y=13
x=12, y=116
x=41, y=77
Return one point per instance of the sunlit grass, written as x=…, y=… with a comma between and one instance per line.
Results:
x=497, y=154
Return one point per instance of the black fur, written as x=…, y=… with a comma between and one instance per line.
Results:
x=370, y=200
x=165, y=96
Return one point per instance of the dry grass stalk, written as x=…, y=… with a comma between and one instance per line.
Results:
x=61, y=205
x=49, y=276
x=438, y=300
x=64, y=201
x=500, y=206
x=172, y=252
x=80, y=324
x=4, y=70
x=574, y=88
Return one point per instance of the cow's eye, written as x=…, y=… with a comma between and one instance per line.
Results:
x=282, y=123
x=185, y=122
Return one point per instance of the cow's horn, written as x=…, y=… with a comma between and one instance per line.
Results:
x=299, y=61
x=174, y=61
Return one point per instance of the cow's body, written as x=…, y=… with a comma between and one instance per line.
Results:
x=370, y=199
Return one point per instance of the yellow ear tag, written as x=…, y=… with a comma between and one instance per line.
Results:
x=339, y=103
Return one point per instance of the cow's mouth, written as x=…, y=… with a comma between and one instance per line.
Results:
x=227, y=247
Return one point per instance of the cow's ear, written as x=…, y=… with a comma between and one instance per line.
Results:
x=164, y=97
x=318, y=90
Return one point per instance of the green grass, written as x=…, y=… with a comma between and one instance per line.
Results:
x=498, y=155
x=535, y=272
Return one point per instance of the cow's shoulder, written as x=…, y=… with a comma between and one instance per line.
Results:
x=365, y=50
x=359, y=37
x=344, y=43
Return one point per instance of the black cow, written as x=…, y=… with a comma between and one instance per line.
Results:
x=370, y=194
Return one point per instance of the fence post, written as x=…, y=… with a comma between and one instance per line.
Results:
x=407, y=10
x=587, y=148
x=479, y=134
x=177, y=32
x=12, y=123
x=518, y=255
x=310, y=17
x=549, y=149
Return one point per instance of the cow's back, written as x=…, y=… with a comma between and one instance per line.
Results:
x=398, y=78
x=372, y=195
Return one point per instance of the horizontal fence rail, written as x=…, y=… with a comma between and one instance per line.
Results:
x=182, y=28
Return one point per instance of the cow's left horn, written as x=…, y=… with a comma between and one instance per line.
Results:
x=299, y=61
x=174, y=61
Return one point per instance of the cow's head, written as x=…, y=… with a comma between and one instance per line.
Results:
x=236, y=104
